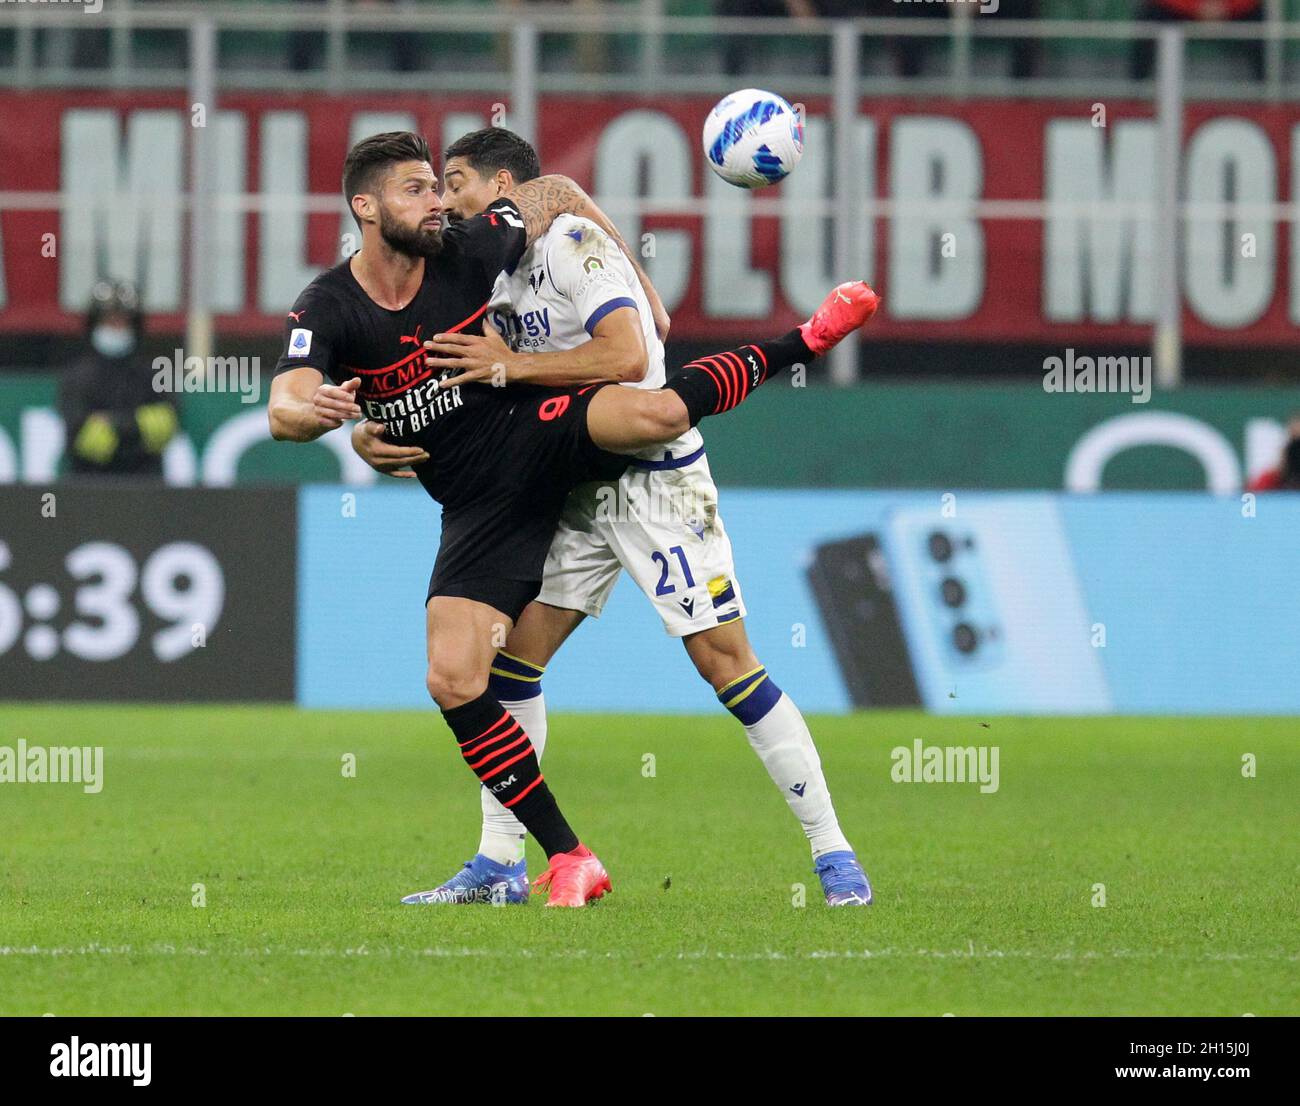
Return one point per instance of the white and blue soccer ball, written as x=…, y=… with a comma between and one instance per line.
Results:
x=753, y=138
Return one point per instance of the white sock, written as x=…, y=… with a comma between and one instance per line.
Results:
x=503, y=833
x=784, y=745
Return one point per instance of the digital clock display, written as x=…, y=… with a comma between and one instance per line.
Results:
x=146, y=592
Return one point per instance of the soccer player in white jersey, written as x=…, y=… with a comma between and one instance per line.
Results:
x=575, y=310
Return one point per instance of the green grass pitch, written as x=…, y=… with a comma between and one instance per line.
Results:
x=984, y=903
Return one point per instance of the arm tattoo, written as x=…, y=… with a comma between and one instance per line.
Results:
x=540, y=200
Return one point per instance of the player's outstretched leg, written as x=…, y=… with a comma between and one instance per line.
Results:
x=498, y=872
x=501, y=755
x=623, y=419
x=779, y=736
x=516, y=680
x=712, y=385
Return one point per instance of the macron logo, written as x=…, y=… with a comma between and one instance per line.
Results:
x=117, y=1061
x=799, y=788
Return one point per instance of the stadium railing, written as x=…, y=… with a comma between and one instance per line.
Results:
x=336, y=45
x=521, y=53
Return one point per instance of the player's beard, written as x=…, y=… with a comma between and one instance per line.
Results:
x=417, y=241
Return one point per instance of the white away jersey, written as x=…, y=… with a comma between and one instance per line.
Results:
x=565, y=283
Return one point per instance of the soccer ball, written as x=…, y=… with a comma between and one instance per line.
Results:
x=753, y=138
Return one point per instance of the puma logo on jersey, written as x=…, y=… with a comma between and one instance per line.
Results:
x=414, y=339
x=296, y=316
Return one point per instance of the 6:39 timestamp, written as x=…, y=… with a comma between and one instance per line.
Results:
x=180, y=583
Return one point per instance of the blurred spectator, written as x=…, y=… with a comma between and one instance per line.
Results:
x=116, y=424
x=910, y=52
x=1286, y=477
x=738, y=50
x=307, y=48
x=1025, y=52
x=1179, y=11
x=590, y=51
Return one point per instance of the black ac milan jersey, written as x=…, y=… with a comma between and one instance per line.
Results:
x=337, y=329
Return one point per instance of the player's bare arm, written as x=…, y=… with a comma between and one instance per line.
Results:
x=383, y=456
x=615, y=354
x=663, y=321
x=302, y=406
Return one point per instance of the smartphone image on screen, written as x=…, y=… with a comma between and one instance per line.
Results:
x=850, y=580
x=992, y=611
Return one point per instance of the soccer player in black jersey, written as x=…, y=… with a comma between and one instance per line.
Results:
x=501, y=460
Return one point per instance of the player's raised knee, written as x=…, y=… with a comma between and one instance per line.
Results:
x=663, y=416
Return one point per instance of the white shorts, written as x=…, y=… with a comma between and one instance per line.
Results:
x=663, y=526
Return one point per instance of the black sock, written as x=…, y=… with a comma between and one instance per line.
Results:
x=719, y=382
x=498, y=751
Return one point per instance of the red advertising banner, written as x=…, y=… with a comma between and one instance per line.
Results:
x=93, y=183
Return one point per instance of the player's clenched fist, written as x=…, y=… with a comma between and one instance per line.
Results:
x=334, y=404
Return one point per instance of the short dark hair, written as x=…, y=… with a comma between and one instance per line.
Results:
x=493, y=149
x=367, y=160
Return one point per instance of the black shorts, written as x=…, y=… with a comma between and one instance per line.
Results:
x=494, y=544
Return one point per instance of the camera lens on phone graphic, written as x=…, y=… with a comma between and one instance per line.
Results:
x=964, y=638
x=940, y=546
x=953, y=591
